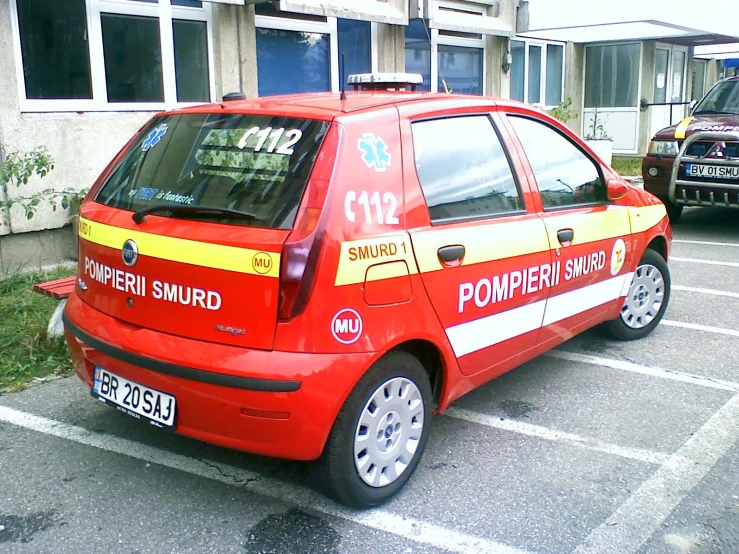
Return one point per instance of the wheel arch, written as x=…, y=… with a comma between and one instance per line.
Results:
x=659, y=245
x=432, y=360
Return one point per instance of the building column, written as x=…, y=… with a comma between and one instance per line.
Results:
x=497, y=81
x=574, y=82
x=235, y=50
x=391, y=48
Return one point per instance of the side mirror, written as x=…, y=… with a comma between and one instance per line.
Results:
x=617, y=189
x=692, y=105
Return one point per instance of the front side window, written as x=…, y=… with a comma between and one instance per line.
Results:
x=463, y=169
x=564, y=175
x=256, y=165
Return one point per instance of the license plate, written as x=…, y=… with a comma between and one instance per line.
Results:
x=712, y=171
x=158, y=408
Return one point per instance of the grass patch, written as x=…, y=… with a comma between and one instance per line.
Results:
x=627, y=167
x=25, y=351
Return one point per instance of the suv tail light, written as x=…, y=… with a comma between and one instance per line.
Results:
x=302, y=249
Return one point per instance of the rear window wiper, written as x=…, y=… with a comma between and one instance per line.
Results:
x=139, y=216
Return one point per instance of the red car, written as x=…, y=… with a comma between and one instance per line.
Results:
x=313, y=276
x=696, y=162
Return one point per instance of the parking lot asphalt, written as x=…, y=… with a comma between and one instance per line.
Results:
x=597, y=447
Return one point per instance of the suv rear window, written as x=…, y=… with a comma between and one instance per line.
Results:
x=254, y=164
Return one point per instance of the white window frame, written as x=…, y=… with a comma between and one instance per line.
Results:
x=165, y=12
x=328, y=27
x=544, y=44
x=438, y=38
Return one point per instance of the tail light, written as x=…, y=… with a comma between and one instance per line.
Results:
x=302, y=249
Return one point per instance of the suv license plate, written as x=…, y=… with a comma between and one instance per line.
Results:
x=713, y=171
x=136, y=400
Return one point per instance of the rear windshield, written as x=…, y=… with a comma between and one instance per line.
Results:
x=254, y=164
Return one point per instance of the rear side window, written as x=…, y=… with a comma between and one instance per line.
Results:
x=255, y=164
x=463, y=169
x=564, y=174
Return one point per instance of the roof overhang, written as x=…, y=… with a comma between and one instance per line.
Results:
x=648, y=29
x=718, y=51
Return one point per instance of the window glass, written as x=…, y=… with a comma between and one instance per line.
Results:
x=418, y=52
x=355, y=47
x=461, y=67
x=678, y=76
x=191, y=61
x=555, y=67
x=255, y=164
x=291, y=62
x=188, y=3
x=612, y=76
x=463, y=169
x=534, y=74
x=699, y=79
x=660, y=75
x=55, y=50
x=564, y=174
x=518, y=69
x=133, y=58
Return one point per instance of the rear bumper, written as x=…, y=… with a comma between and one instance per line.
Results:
x=280, y=404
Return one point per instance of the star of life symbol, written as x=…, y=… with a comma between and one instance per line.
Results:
x=374, y=152
x=154, y=137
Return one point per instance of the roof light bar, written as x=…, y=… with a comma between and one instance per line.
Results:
x=385, y=81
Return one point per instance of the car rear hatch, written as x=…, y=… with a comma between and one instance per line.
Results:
x=186, y=233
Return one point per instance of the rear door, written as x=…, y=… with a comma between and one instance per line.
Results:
x=223, y=190
x=483, y=253
x=590, y=238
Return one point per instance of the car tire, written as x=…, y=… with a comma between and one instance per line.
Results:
x=674, y=211
x=394, y=397
x=646, y=300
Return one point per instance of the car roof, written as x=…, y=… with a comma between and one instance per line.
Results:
x=326, y=105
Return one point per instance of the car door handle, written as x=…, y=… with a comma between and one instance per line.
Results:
x=565, y=236
x=451, y=254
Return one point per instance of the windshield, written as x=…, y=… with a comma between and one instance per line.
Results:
x=723, y=98
x=254, y=164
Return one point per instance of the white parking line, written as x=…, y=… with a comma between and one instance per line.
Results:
x=403, y=526
x=705, y=242
x=705, y=262
x=645, y=370
x=545, y=433
x=634, y=522
x=697, y=327
x=706, y=291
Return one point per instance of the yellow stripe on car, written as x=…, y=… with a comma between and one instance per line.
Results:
x=483, y=243
x=358, y=256
x=203, y=254
x=682, y=127
x=646, y=217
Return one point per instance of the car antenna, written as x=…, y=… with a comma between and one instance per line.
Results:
x=343, y=74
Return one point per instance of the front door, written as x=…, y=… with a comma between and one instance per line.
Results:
x=588, y=236
x=483, y=253
x=669, y=86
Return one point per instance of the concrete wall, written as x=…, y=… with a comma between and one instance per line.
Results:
x=574, y=81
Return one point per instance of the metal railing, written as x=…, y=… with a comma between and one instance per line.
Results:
x=682, y=156
x=644, y=105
